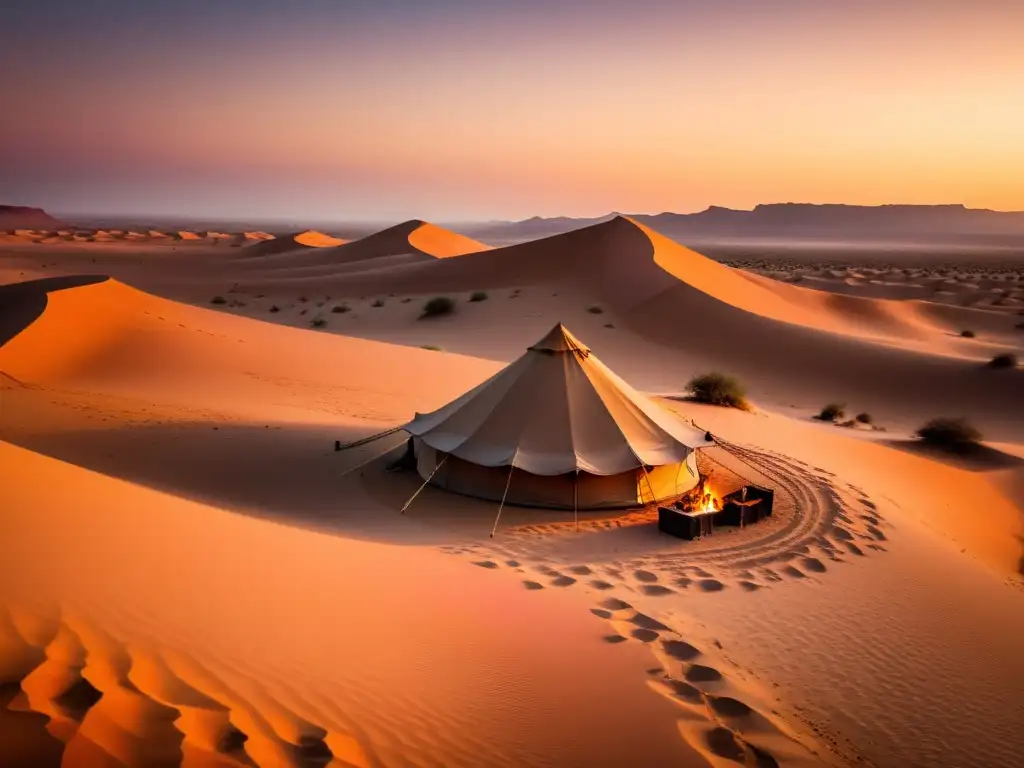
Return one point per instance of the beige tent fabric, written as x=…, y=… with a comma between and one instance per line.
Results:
x=583, y=491
x=557, y=409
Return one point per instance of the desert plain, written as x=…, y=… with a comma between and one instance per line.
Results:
x=190, y=574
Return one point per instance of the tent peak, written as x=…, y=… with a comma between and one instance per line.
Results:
x=559, y=339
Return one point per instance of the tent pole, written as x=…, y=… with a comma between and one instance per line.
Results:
x=649, y=486
x=575, y=499
x=406, y=505
x=508, y=482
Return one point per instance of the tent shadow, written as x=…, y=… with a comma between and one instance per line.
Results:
x=289, y=474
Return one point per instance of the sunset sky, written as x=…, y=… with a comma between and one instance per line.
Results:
x=474, y=109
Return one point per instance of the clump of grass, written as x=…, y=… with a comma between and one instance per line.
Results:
x=218, y=300
x=1006, y=360
x=863, y=418
x=432, y=347
x=949, y=434
x=377, y=303
x=967, y=334
x=595, y=310
x=437, y=306
x=318, y=322
x=718, y=389
x=478, y=296
x=832, y=411
x=274, y=308
x=339, y=309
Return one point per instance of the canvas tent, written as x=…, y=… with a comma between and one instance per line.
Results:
x=556, y=428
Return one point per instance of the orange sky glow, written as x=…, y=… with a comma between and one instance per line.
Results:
x=461, y=113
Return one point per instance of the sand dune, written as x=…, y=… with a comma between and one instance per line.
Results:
x=297, y=242
x=138, y=671
x=313, y=624
x=814, y=346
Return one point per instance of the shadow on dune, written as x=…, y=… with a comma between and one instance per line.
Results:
x=975, y=458
x=21, y=304
x=286, y=473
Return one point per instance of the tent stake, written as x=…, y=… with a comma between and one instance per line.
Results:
x=411, y=498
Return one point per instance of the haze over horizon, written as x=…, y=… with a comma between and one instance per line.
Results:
x=452, y=111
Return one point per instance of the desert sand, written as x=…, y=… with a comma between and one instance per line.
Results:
x=191, y=575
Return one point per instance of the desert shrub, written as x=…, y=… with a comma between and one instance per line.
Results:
x=218, y=300
x=318, y=322
x=340, y=309
x=478, y=296
x=832, y=411
x=432, y=347
x=274, y=308
x=437, y=306
x=1006, y=360
x=595, y=310
x=967, y=334
x=717, y=389
x=377, y=303
x=949, y=434
x=864, y=418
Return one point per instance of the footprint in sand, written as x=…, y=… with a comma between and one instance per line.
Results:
x=710, y=585
x=601, y=613
x=749, y=586
x=614, y=639
x=813, y=564
x=598, y=584
x=532, y=585
x=655, y=590
x=722, y=742
x=794, y=572
x=854, y=549
x=580, y=570
x=645, y=576
x=686, y=692
x=614, y=604
x=698, y=673
x=487, y=564
x=563, y=581
x=684, y=582
x=645, y=635
x=680, y=650
x=876, y=533
x=644, y=621
x=729, y=707
x=842, y=534
x=512, y=563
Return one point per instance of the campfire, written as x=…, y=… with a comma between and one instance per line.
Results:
x=701, y=499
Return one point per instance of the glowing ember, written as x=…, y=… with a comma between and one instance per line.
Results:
x=709, y=502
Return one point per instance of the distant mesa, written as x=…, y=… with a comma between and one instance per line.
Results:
x=22, y=217
x=792, y=220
